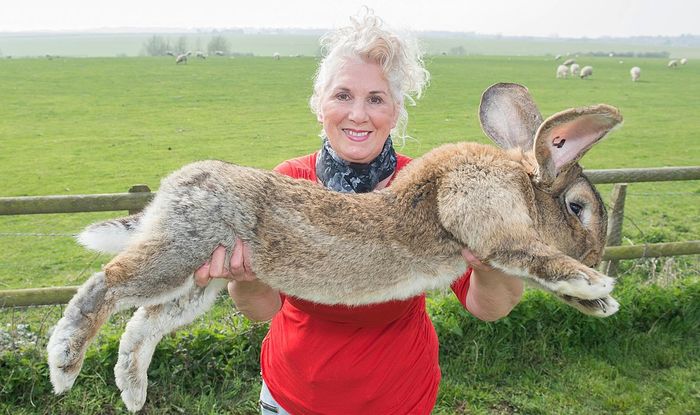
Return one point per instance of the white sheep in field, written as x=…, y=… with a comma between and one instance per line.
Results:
x=562, y=71
x=182, y=58
x=556, y=58
x=276, y=56
x=635, y=72
x=684, y=61
x=586, y=71
x=574, y=69
x=200, y=55
x=569, y=62
x=672, y=63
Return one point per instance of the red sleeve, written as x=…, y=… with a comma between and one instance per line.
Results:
x=303, y=167
x=461, y=286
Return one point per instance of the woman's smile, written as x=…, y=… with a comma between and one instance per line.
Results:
x=357, y=136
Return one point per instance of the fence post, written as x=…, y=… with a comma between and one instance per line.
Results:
x=138, y=188
x=615, y=218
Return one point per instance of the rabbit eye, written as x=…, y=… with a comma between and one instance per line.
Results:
x=575, y=208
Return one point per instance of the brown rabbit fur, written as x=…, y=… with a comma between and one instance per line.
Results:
x=526, y=209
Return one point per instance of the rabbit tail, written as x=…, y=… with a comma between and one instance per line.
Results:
x=110, y=236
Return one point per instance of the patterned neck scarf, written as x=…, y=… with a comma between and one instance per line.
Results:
x=342, y=176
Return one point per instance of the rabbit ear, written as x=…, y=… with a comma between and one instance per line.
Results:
x=509, y=116
x=566, y=136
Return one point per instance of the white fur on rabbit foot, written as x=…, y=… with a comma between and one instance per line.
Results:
x=588, y=285
x=134, y=399
x=61, y=380
x=60, y=356
x=133, y=388
x=132, y=383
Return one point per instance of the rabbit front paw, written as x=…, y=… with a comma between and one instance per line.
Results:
x=586, y=284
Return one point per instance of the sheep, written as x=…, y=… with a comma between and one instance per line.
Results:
x=569, y=62
x=182, y=58
x=586, y=71
x=219, y=53
x=635, y=72
x=672, y=63
x=574, y=69
x=276, y=56
x=556, y=58
x=562, y=71
x=684, y=61
x=200, y=55
x=170, y=53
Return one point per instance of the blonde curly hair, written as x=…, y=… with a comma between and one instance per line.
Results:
x=365, y=38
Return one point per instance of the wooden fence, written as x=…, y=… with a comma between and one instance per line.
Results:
x=138, y=196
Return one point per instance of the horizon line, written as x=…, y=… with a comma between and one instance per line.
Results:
x=212, y=29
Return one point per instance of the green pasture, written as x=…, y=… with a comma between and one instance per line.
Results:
x=79, y=126
x=100, y=125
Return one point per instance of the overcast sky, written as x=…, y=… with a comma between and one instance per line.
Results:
x=572, y=18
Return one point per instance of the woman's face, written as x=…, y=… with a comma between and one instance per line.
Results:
x=358, y=112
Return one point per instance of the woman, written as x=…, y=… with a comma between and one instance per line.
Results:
x=375, y=359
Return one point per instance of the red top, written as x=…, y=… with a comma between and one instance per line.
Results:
x=373, y=359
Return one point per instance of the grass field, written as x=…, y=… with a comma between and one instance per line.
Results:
x=76, y=126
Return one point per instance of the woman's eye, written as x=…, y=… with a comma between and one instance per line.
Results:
x=342, y=96
x=575, y=208
x=375, y=99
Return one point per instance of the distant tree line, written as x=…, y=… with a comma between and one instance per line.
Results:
x=158, y=45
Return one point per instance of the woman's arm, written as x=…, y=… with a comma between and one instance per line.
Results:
x=252, y=297
x=492, y=294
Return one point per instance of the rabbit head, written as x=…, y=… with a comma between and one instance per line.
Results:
x=570, y=212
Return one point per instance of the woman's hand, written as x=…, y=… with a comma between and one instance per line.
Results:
x=253, y=298
x=492, y=293
x=238, y=269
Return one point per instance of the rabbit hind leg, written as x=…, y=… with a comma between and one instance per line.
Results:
x=82, y=318
x=155, y=270
x=146, y=328
x=134, y=278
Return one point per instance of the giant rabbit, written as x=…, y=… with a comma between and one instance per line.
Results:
x=524, y=208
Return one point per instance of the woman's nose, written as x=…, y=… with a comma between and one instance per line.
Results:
x=358, y=112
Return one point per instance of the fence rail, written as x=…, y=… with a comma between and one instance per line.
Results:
x=136, y=199
x=139, y=196
x=656, y=174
